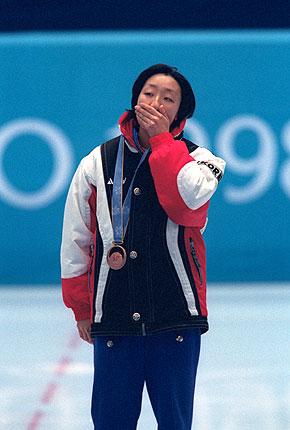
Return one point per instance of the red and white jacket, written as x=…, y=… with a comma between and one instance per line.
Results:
x=163, y=283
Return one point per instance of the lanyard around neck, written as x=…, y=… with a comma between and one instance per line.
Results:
x=121, y=213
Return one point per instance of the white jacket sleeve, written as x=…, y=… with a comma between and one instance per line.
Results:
x=198, y=180
x=76, y=235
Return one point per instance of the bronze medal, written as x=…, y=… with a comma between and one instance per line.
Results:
x=116, y=257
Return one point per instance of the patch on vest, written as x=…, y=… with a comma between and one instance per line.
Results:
x=215, y=170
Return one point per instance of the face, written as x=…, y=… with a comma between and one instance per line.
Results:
x=162, y=90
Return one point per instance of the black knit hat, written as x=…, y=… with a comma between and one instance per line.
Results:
x=187, y=104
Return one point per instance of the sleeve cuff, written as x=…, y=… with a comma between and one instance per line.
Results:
x=161, y=139
x=82, y=314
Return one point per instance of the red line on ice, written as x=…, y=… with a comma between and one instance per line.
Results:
x=54, y=384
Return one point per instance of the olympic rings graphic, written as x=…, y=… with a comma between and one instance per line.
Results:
x=63, y=163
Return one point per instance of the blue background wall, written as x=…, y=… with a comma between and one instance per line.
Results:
x=62, y=94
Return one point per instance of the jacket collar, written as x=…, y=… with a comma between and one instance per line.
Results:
x=126, y=128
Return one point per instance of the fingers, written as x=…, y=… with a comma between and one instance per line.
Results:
x=85, y=333
x=87, y=337
x=143, y=124
x=147, y=115
x=152, y=120
x=148, y=111
x=144, y=118
x=163, y=111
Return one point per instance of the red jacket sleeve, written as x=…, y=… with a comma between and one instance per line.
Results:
x=78, y=242
x=75, y=295
x=183, y=184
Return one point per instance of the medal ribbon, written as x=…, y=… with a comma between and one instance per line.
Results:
x=121, y=213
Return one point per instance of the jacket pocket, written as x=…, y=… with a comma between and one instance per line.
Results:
x=195, y=259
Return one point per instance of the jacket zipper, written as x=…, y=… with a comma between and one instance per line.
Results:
x=91, y=265
x=143, y=329
x=195, y=259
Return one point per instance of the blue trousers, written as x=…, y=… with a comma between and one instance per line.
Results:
x=166, y=361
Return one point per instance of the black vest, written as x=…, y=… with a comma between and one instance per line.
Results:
x=148, y=285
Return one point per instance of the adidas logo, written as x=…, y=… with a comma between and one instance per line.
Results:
x=110, y=181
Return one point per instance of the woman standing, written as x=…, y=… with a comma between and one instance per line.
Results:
x=133, y=256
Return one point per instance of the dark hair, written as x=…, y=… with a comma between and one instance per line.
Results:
x=187, y=104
